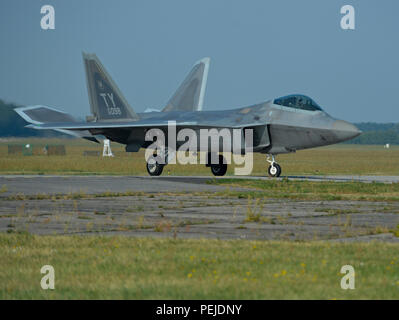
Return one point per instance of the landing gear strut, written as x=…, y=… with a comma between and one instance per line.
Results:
x=274, y=168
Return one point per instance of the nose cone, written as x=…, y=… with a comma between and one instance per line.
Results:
x=345, y=130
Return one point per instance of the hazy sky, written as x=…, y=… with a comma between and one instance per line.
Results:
x=259, y=50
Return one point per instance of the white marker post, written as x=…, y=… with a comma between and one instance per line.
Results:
x=107, y=149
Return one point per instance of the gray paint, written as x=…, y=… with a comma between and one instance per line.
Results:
x=189, y=95
x=100, y=86
x=277, y=129
x=43, y=114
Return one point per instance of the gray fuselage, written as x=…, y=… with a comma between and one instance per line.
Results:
x=277, y=129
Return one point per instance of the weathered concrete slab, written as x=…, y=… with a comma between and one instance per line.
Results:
x=199, y=216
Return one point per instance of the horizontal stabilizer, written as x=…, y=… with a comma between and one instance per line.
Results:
x=43, y=114
x=40, y=115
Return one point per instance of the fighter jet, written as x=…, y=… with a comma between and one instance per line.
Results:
x=282, y=125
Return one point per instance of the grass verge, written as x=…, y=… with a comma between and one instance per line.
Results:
x=330, y=160
x=310, y=190
x=141, y=268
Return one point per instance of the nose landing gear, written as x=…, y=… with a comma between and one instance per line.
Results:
x=274, y=169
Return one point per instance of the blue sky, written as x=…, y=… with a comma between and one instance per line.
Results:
x=259, y=50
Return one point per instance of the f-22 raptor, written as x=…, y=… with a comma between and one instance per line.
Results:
x=283, y=125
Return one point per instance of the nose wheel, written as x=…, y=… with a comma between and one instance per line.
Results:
x=274, y=169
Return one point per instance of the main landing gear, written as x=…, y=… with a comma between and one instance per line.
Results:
x=154, y=168
x=274, y=169
x=218, y=169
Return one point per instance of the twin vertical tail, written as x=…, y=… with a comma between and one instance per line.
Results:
x=190, y=95
x=107, y=102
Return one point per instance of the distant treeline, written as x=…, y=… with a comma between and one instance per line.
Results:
x=377, y=133
x=12, y=125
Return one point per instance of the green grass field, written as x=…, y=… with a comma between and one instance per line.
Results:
x=96, y=267
x=337, y=159
x=131, y=268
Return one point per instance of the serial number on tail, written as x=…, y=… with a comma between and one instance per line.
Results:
x=112, y=110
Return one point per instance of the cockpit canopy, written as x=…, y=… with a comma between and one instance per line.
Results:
x=298, y=101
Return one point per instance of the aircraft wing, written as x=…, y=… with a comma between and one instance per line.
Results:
x=133, y=133
x=97, y=125
x=124, y=125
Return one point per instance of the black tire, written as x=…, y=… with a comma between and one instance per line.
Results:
x=278, y=169
x=154, y=169
x=219, y=169
x=274, y=173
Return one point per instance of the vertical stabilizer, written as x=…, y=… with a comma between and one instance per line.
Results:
x=190, y=95
x=106, y=100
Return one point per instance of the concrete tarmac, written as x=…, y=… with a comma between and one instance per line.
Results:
x=34, y=184
x=177, y=207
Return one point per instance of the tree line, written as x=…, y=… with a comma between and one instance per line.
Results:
x=377, y=133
